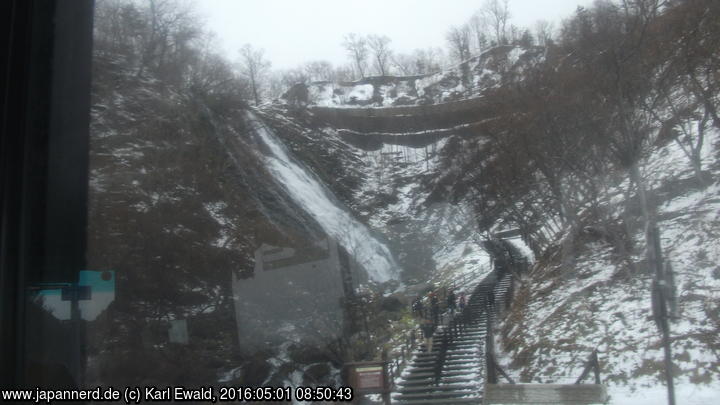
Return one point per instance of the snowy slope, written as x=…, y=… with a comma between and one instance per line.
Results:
x=491, y=69
x=601, y=304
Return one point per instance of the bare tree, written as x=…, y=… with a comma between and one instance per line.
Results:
x=343, y=73
x=429, y=60
x=685, y=85
x=420, y=61
x=478, y=27
x=543, y=32
x=254, y=67
x=278, y=82
x=166, y=47
x=526, y=39
x=158, y=35
x=318, y=70
x=119, y=28
x=692, y=137
x=497, y=14
x=514, y=35
x=211, y=75
x=459, y=40
x=698, y=57
x=356, y=46
x=404, y=63
x=275, y=85
x=683, y=117
x=380, y=47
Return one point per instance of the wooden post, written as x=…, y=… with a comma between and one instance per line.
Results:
x=490, y=370
x=597, y=367
x=386, y=380
x=510, y=293
x=659, y=286
x=499, y=369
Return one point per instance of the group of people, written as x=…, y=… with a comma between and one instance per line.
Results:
x=431, y=316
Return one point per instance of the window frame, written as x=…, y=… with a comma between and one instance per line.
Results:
x=44, y=162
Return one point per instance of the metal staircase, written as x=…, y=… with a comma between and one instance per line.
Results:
x=453, y=372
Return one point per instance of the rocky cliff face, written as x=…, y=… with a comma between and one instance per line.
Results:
x=387, y=165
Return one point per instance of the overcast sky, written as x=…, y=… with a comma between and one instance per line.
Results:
x=297, y=31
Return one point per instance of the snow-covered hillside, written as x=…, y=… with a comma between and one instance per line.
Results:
x=489, y=70
x=600, y=302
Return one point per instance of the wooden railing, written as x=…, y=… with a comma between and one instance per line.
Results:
x=397, y=363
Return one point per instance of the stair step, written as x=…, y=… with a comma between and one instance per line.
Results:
x=462, y=356
x=450, y=355
x=461, y=332
x=478, y=333
x=469, y=400
x=456, y=350
x=478, y=326
x=469, y=339
x=466, y=368
x=468, y=344
x=432, y=387
x=418, y=374
x=468, y=365
x=473, y=328
x=448, y=360
x=471, y=335
x=443, y=380
x=465, y=344
x=475, y=332
x=439, y=394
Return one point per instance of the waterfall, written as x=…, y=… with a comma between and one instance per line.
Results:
x=321, y=204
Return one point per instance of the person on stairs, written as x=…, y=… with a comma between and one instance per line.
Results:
x=428, y=327
x=464, y=315
x=451, y=301
x=434, y=307
x=417, y=308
